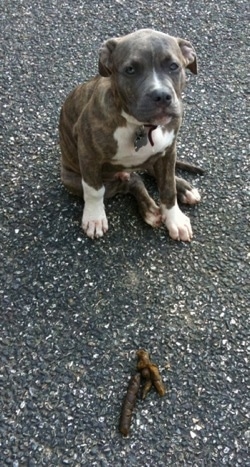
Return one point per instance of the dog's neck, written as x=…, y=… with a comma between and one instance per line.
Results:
x=143, y=131
x=151, y=128
x=143, y=135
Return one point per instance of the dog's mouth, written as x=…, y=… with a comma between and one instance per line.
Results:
x=157, y=115
x=162, y=120
x=160, y=116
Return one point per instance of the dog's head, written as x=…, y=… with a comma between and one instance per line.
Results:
x=147, y=69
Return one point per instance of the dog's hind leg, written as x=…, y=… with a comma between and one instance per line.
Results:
x=135, y=186
x=186, y=193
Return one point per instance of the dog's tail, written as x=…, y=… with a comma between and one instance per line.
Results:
x=183, y=165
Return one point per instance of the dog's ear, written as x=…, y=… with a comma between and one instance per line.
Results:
x=105, y=57
x=189, y=55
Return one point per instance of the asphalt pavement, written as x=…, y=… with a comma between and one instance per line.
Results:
x=74, y=311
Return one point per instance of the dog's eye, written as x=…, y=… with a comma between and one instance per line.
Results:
x=129, y=70
x=173, y=66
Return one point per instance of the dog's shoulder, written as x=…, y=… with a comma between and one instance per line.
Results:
x=95, y=97
x=80, y=95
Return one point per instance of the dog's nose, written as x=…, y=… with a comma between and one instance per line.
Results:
x=161, y=97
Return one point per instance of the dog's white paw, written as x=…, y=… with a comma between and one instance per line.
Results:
x=94, y=228
x=94, y=220
x=191, y=196
x=177, y=223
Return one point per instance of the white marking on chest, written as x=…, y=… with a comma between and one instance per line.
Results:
x=126, y=153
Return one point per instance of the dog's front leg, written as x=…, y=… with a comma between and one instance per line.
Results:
x=94, y=220
x=177, y=223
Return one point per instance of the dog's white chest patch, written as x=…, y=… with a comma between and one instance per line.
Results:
x=126, y=153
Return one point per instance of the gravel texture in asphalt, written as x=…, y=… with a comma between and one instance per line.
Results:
x=74, y=311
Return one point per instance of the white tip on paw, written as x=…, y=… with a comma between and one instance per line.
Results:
x=191, y=196
x=95, y=228
x=177, y=223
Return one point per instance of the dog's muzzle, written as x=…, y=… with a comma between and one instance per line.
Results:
x=161, y=97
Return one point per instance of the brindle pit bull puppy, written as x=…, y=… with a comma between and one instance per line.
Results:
x=127, y=119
